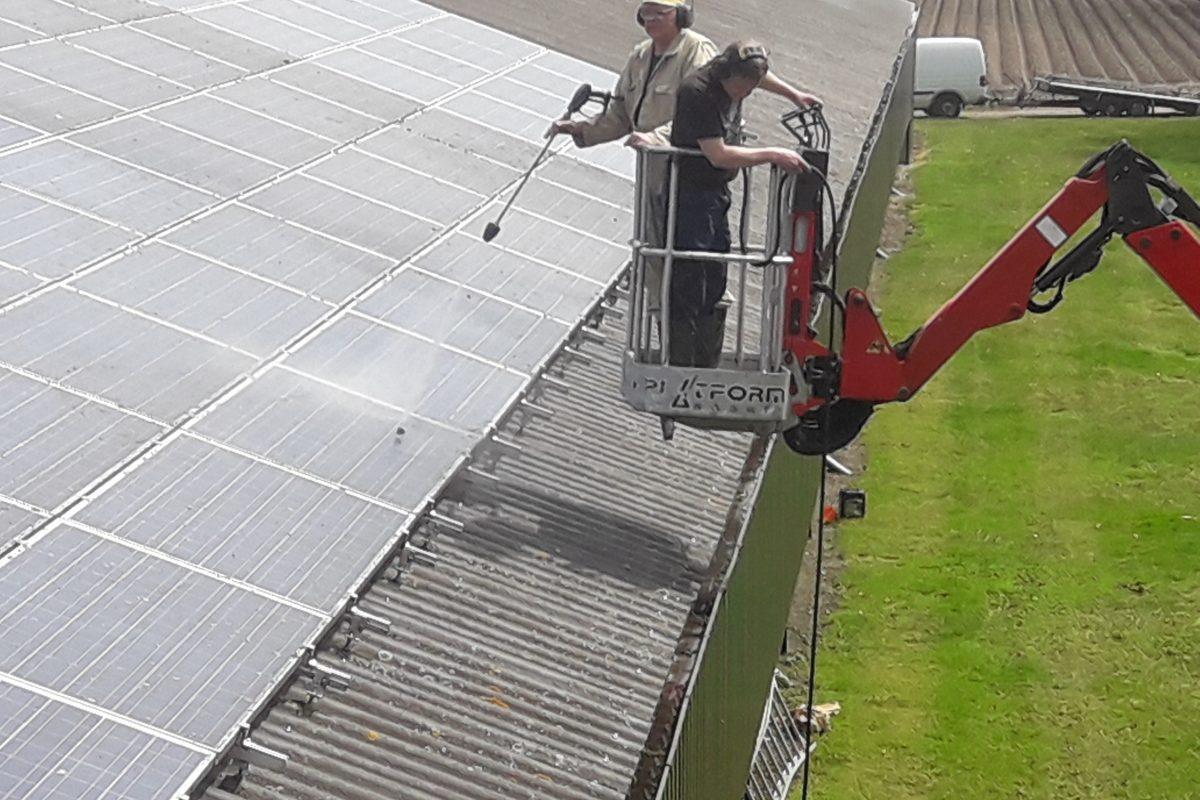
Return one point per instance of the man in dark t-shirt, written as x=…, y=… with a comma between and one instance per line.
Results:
x=706, y=109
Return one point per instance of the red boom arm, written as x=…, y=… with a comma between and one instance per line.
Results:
x=999, y=293
x=870, y=370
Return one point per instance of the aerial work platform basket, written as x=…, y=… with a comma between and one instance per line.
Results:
x=751, y=385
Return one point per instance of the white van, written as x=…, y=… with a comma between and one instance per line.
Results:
x=951, y=73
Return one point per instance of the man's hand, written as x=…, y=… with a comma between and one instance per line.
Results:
x=788, y=160
x=566, y=126
x=637, y=140
x=805, y=100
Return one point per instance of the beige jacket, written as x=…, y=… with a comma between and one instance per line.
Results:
x=690, y=50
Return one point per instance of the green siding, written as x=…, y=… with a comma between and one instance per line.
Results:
x=721, y=726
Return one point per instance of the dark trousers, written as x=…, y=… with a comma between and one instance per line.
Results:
x=697, y=318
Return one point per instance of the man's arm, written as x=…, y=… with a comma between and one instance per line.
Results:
x=606, y=127
x=773, y=84
x=728, y=156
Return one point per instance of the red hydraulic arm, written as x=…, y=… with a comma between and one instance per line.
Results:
x=870, y=370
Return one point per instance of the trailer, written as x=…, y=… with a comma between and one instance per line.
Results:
x=1097, y=99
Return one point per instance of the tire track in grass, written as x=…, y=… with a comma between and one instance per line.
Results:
x=888, y=669
x=1134, y=63
x=1130, y=536
x=987, y=610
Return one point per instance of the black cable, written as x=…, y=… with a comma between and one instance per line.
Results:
x=1036, y=307
x=744, y=216
x=828, y=291
x=814, y=631
x=769, y=257
x=816, y=622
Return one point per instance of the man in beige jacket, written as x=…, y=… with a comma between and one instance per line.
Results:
x=643, y=105
x=643, y=102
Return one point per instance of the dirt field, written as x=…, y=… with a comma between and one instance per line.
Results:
x=1152, y=43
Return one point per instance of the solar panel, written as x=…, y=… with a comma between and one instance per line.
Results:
x=60, y=752
x=17, y=521
x=139, y=636
x=248, y=328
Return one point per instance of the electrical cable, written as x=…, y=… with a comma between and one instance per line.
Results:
x=768, y=258
x=812, y=641
x=835, y=236
x=744, y=215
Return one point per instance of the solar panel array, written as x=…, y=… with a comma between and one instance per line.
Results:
x=248, y=328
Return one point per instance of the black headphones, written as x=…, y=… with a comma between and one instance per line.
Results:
x=749, y=52
x=684, y=16
x=728, y=59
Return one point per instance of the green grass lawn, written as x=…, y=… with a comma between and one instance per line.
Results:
x=1021, y=611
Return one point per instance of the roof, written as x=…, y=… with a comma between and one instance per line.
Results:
x=526, y=661
x=527, y=657
x=229, y=406
x=249, y=332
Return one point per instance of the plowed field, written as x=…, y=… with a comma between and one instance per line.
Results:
x=1151, y=43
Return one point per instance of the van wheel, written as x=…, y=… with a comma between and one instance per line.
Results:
x=1138, y=109
x=947, y=105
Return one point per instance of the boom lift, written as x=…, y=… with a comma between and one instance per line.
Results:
x=819, y=398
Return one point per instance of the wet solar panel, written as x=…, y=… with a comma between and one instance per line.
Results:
x=239, y=249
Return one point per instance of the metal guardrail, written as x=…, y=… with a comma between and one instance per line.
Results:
x=643, y=324
x=781, y=750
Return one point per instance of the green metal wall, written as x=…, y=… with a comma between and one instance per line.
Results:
x=720, y=721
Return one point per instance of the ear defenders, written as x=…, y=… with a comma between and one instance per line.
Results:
x=684, y=16
x=750, y=52
x=730, y=59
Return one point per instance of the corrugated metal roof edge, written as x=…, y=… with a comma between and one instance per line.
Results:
x=676, y=695
x=697, y=629
x=236, y=749
x=876, y=126
x=675, y=699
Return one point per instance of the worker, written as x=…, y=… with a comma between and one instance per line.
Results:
x=643, y=101
x=643, y=105
x=707, y=110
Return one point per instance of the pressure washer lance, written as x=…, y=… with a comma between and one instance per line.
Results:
x=581, y=97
